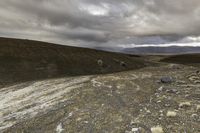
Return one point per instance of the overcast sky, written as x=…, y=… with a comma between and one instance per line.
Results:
x=98, y=23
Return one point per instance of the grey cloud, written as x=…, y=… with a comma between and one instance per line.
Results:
x=86, y=35
x=99, y=22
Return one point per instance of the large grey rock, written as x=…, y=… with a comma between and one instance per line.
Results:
x=167, y=79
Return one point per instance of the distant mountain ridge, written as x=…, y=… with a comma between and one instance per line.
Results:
x=162, y=50
x=157, y=45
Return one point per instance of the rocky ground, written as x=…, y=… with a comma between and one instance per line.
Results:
x=49, y=88
x=159, y=99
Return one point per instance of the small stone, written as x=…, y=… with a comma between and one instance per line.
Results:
x=166, y=79
x=198, y=107
x=148, y=111
x=159, y=101
x=184, y=104
x=175, y=66
x=86, y=122
x=167, y=105
x=123, y=64
x=160, y=89
x=194, y=116
x=198, y=72
x=193, y=78
x=164, y=96
x=135, y=129
x=79, y=119
x=100, y=63
x=187, y=95
x=172, y=91
x=59, y=128
x=70, y=114
x=171, y=114
x=161, y=114
x=157, y=129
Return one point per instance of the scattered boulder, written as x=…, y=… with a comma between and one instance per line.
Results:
x=157, y=129
x=100, y=63
x=167, y=79
x=171, y=114
x=135, y=130
x=123, y=64
x=184, y=104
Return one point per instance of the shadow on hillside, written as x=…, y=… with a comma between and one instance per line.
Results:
x=24, y=60
x=186, y=59
x=13, y=70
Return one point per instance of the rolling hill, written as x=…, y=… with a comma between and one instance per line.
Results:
x=23, y=60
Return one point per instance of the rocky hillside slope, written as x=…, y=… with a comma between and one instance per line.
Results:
x=22, y=60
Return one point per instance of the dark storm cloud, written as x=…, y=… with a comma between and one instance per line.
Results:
x=99, y=22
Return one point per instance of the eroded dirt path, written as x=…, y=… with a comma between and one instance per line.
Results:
x=26, y=100
x=129, y=102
